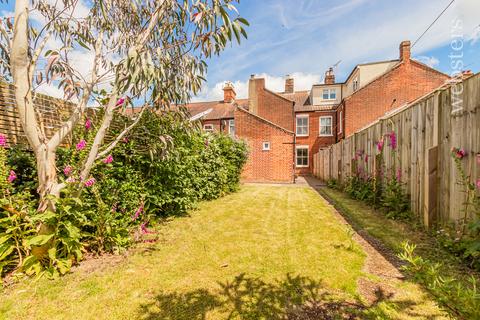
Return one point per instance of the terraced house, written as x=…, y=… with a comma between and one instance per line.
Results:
x=285, y=129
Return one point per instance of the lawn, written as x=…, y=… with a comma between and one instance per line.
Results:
x=266, y=252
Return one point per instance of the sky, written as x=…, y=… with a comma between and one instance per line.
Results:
x=303, y=38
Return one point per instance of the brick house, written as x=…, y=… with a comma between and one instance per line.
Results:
x=284, y=130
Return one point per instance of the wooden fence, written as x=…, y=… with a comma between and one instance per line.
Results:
x=426, y=130
x=50, y=112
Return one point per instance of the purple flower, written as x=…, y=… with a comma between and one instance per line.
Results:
x=393, y=140
x=12, y=176
x=380, y=145
x=138, y=212
x=108, y=159
x=120, y=102
x=90, y=182
x=81, y=145
x=67, y=170
x=3, y=140
x=88, y=124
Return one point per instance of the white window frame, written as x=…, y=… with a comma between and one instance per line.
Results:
x=302, y=116
x=320, y=126
x=230, y=125
x=208, y=127
x=340, y=121
x=329, y=93
x=296, y=156
x=355, y=84
x=266, y=146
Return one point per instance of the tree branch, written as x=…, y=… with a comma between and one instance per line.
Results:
x=68, y=126
x=114, y=143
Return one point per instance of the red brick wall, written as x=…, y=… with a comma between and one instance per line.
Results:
x=276, y=109
x=218, y=124
x=314, y=141
x=275, y=165
x=407, y=82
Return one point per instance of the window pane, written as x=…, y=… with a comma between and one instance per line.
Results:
x=325, y=94
x=333, y=94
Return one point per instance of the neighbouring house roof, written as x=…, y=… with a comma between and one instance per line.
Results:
x=274, y=125
x=303, y=104
x=214, y=110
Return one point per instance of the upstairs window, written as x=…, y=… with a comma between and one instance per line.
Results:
x=340, y=122
x=326, y=126
x=355, y=84
x=329, y=94
x=266, y=146
x=231, y=127
x=208, y=127
x=302, y=125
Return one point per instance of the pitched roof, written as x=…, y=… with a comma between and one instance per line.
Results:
x=303, y=103
x=214, y=110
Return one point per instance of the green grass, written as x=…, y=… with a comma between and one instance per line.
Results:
x=255, y=254
x=394, y=233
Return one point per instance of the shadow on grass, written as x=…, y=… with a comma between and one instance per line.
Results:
x=294, y=297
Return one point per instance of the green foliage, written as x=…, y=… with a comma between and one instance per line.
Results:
x=395, y=200
x=363, y=188
x=164, y=167
x=457, y=299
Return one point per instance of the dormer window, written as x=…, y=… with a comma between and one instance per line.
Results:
x=329, y=94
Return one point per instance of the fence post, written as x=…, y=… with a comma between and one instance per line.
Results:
x=431, y=183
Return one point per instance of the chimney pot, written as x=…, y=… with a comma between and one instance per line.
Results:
x=405, y=51
x=229, y=93
x=289, y=84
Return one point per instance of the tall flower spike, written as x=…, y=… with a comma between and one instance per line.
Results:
x=90, y=182
x=108, y=159
x=12, y=176
x=3, y=140
x=81, y=145
x=88, y=124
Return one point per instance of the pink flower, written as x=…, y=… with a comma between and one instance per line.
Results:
x=393, y=140
x=120, y=102
x=12, y=176
x=138, y=212
x=461, y=153
x=67, y=170
x=366, y=158
x=90, y=182
x=88, y=124
x=108, y=159
x=71, y=180
x=144, y=229
x=478, y=183
x=3, y=140
x=125, y=140
x=380, y=145
x=81, y=145
x=399, y=174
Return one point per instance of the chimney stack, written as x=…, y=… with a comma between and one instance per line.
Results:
x=405, y=51
x=329, y=76
x=255, y=87
x=228, y=92
x=289, y=84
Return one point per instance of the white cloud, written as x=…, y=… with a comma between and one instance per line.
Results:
x=429, y=61
x=277, y=84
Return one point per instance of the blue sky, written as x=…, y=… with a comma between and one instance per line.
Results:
x=304, y=37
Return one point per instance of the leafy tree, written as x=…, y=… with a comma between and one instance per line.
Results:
x=152, y=50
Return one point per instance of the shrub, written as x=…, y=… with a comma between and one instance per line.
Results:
x=395, y=200
x=163, y=167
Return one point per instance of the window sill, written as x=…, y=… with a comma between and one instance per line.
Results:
x=325, y=135
x=302, y=135
x=297, y=166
